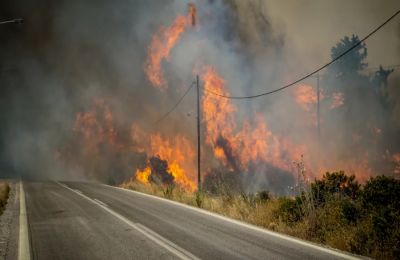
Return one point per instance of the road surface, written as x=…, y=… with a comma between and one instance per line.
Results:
x=72, y=220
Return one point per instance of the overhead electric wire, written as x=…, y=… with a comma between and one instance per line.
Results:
x=176, y=105
x=384, y=67
x=312, y=73
x=17, y=20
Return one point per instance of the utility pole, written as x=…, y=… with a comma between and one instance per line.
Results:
x=318, y=111
x=198, y=135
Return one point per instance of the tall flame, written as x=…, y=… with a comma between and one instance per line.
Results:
x=177, y=151
x=253, y=143
x=306, y=97
x=143, y=175
x=97, y=124
x=161, y=45
x=237, y=145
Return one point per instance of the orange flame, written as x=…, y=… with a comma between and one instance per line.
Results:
x=179, y=155
x=359, y=167
x=306, y=97
x=337, y=100
x=162, y=44
x=177, y=151
x=237, y=148
x=96, y=125
x=143, y=175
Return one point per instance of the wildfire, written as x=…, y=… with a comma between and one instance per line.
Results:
x=359, y=167
x=143, y=175
x=306, y=97
x=177, y=151
x=97, y=124
x=217, y=112
x=238, y=148
x=162, y=44
x=337, y=100
x=237, y=145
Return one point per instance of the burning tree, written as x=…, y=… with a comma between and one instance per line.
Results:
x=156, y=172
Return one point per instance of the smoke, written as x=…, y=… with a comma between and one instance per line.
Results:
x=70, y=54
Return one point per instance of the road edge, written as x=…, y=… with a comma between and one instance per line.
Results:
x=153, y=236
x=323, y=248
x=23, y=238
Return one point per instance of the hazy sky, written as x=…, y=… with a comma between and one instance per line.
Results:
x=311, y=28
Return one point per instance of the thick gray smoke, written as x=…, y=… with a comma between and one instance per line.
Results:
x=69, y=54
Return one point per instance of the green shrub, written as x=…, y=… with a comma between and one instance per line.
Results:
x=168, y=191
x=381, y=192
x=263, y=196
x=351, y=211
x=199, y=199
x=289, y=210
x=335, y=184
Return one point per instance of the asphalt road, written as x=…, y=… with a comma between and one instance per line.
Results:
x=93, y=221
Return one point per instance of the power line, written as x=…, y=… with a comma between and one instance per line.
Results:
x=312, y=73
x=17, y=20
x=176, y=105
x=384, y=67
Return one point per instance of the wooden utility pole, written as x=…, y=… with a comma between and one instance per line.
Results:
x=318, y=111
x=198, y=135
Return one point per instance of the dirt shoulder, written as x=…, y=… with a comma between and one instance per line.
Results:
x=9, y=220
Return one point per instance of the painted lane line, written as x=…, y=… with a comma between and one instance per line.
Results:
x=100, y=202
x=153, y=236
x=23, y=241
x=166, y=241
x=327, y=250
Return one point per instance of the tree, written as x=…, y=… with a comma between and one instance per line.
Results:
x=159, y=172
x=380, y=82
x=353, y=62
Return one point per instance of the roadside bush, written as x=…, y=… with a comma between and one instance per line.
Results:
x=345, y=215
x=199, y=199
x=335, y=184
x=351, y=211
x=263, y=196
x=381, y=201
x=381, y=192
x=219, y=181
x=168, y=191
x=4, y=193
x=289, y=210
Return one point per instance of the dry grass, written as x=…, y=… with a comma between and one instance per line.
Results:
x=238, y=207
x=264, y=213
x=360, y=219
x=4, y=193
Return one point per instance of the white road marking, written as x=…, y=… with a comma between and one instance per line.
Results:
x=249, y=226
x=153, y=236
x=23, y=243
x=98, y=201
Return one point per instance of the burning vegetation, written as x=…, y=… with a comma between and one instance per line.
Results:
x=96, y=103
x=162, y=44
x=255, y=149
